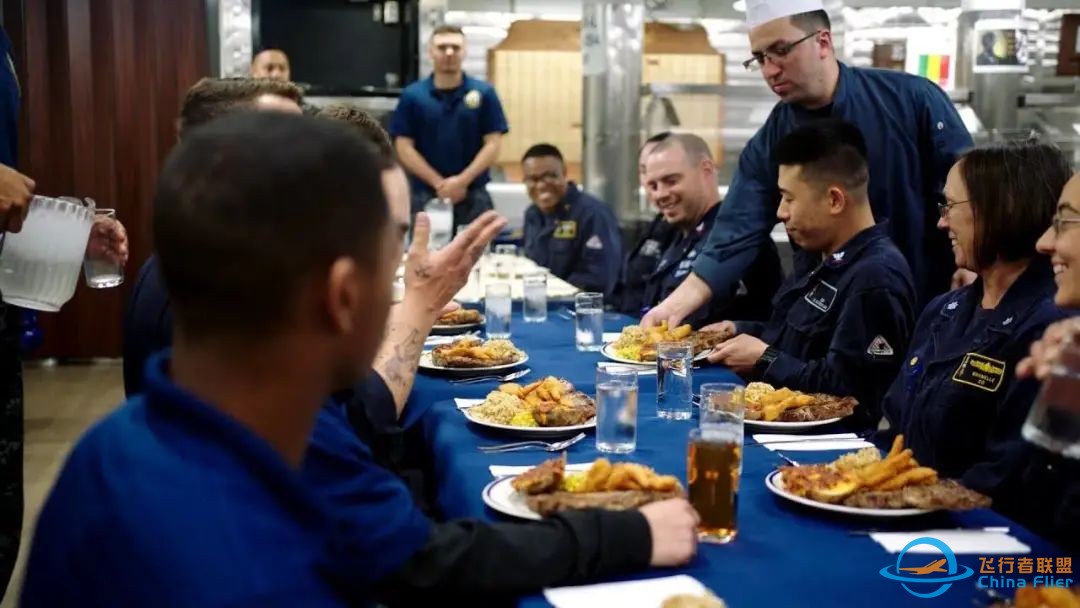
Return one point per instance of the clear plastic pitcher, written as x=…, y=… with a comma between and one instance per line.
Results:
x=40, y=265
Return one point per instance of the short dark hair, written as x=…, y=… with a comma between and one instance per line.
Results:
x=213, y=97
x=272, y=49
x=539, y=150
x=829, y=150
x=446, y=28
x=695, y=147
x=250, y=206
x=1013, y=189
x=365, y=124
x=812, y=21
x=655, y=139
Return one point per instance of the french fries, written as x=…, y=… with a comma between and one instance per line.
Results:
x=863, y=470
x=603, y=476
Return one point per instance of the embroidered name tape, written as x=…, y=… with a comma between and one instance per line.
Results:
x=981, y=372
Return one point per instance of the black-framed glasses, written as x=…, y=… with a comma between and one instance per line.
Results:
x=945, y=208
x=549, y=177
x=1060, y=221
x=774, y=53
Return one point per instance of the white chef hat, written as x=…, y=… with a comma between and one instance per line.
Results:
x=761, y=11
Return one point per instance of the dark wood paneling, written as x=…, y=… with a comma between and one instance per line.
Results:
x=102, y=82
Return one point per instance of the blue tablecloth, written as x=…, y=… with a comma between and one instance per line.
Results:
x=785, y=554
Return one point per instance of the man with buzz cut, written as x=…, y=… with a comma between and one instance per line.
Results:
x=447, y=129
x=233, y=480
x=843, y=326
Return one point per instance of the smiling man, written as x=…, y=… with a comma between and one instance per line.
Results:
x=843, y=327
x=567, y=231
x=913, y=136
x=680, y=181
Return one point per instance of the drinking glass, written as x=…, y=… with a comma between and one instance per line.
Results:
x=674, y=380
x=713, y=468
x=440, y=212
x=589, y=321
x=616, y=410
x=1054, y=420
x=722, y=403
x=505, y=255
x=497, y=310
x=535, y=303
x=101, y=272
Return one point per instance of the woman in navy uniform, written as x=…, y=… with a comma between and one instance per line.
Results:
x=1040, y=488
x=957, y=397
x=571, y=233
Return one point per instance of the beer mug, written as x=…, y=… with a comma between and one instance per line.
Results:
x=714, y=462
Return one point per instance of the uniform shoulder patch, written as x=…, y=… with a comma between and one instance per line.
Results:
x=595, y=243
x=880, y=347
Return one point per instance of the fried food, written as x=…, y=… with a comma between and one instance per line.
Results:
x=474, y=352
x=618, y=486
x=764, y=402
x=461, y=316
x=687, y=600
x=639, y=344
x=1044, y=597
x=865, y=479
x=549, y=402
x=544, y=477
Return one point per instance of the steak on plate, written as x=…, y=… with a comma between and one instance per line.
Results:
x=546, y=504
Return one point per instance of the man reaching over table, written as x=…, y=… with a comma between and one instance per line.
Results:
x=913, y=133
x=842, y=327
x=233, y=481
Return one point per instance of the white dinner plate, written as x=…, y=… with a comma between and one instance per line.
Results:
x=786, y=427
x=449, y=330
x=609, y=352
x=533, y=431
x=775, y=482
x=502, y=497
x=427, y=364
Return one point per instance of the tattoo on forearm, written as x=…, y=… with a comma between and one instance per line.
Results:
x=398, y=359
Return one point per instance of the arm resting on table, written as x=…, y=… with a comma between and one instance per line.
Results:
x=468, y=557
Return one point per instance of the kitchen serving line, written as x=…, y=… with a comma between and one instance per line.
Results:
x=784, y=555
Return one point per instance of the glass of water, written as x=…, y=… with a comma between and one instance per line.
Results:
x=505, y=255
x=535, y=305
x=101, y=272
x=589, y=321
x=1054, y=420
x=722, y=404
x=674, y=380
x=497, y=310
x=616, y=410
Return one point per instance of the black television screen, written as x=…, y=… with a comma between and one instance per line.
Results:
x=340, y=47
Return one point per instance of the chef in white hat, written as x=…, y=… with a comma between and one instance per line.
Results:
x=913, y=135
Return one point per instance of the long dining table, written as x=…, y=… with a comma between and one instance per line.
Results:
x=785, y=554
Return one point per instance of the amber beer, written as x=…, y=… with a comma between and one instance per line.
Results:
x=714, y=463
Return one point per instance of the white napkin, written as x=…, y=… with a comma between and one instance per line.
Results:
x=439, y=340
x=610, y=336
x=503, y=471
x=464, y=404
x=812, y=443
x=640, y=369
x=962, y=542
x=648, y=593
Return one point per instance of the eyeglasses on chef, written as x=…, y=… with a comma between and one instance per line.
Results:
x=774, y=53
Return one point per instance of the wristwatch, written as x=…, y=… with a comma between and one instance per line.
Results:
x=762, y=364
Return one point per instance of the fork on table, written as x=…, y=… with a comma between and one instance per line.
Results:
x=557, y=446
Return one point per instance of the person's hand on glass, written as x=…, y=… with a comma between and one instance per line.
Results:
x=108, y=240
x=1046, y=351
x=16, y=191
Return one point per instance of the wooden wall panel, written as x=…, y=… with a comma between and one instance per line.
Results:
x=102, y=83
